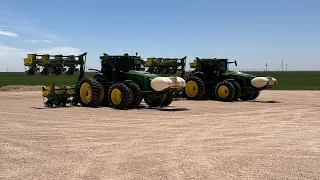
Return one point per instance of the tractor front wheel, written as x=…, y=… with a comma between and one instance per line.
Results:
x=168, y=99
x=194, y=89
x=255, y=95
x=89, y=92
x=250, y=96
x=119, y=96
x=225, y=91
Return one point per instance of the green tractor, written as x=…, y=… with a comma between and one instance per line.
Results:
x=212, y=79
x=119, y=85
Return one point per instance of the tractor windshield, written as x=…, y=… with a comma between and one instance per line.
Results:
x=224, y=66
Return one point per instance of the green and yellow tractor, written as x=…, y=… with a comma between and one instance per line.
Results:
x=117, y=84
x=212, y=79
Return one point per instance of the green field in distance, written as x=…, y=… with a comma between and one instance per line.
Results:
x=290, y=80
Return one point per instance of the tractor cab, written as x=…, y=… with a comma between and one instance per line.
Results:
x=213, y=65
x=113, y=66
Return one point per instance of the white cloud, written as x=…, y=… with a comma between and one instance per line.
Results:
x=8, y=33
x=59, y=50
x=12, y=58
x=38, y=41
x=19, y=22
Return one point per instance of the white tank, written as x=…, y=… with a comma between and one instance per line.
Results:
x=259, y=82
x=161, y=83
x=272, y=81
x=177, y=81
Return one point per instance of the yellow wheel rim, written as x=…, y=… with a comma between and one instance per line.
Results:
x=116, y=96
x=191, y=88
x=131, y=94
x=86, y=93
x=101, y=92
x=223, y=91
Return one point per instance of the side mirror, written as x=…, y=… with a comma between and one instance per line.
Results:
x=235, y=62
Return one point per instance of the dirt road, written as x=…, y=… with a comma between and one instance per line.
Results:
x=275, y=137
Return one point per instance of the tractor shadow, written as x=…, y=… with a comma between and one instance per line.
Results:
x=268, y=102
x=54, y=107
x=168, y=108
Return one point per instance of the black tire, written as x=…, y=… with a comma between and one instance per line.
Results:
x=230, y=91
x=31, y=72
x=255, y=95
x=168, y=99
x=70, y=71
x=172, y=70
x=164, y=71
x=95, y=90
x=104, y=92
x=63, y=102
x=48, y=104
x=135, y=95
x=45, y=71
x=246, y=97
x=155, y=103
x=200, y=86
x=238, y=90
x=125, y=97
x=58, y=71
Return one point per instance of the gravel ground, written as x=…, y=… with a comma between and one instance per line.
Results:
x=275, y=137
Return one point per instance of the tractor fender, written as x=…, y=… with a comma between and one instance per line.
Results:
x=199, y=75
x=99, y=74
x=230, y=80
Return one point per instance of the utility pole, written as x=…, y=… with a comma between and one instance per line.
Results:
x=286, y=67
x=266, y=66
x=282, y=64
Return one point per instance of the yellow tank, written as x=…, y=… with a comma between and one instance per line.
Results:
x=70, y=58
x=32, y=56
x=166, y=59
x=149, y=62
x=158, y=59
x=61, y=90
x=45, y=57
x=70, y=91
x=26, y=61
x=57, y=57
x=193, y=64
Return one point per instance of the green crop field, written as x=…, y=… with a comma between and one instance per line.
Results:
x=291, y=80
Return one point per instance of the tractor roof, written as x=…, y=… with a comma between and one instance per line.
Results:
x=213, y=59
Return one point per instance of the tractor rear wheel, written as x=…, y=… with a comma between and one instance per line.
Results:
x=135, y=95
x=194, y=89
x=238, y=90
x=89, y=92
x=225, y=91
x=168, y=99
x=104, y=89
x=119, y=96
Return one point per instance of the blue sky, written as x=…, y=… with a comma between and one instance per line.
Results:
x=252, y=32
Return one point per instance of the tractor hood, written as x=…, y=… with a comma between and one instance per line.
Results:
x=142, y=73
x=238, y=73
